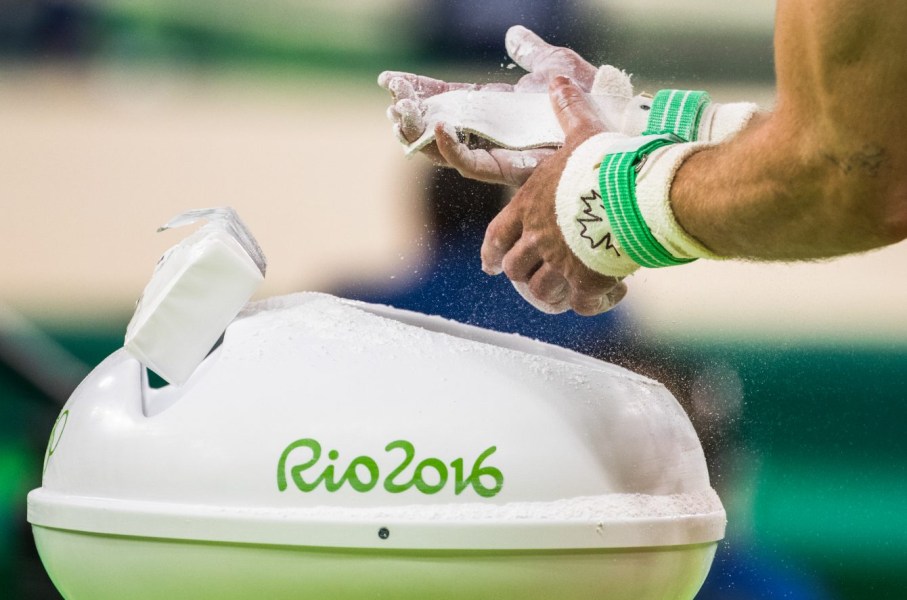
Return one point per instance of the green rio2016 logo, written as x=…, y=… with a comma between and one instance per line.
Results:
x=429, y=476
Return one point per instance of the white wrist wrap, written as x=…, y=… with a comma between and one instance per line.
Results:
x=581, y=215
x=653, y=189
x=722, y=121
x=634, y=224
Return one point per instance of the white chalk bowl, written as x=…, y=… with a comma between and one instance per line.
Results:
x=330, y=449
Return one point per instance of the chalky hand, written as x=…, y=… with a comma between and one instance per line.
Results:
x=477, y=159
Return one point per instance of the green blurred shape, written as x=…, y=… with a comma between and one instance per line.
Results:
x=824, y=427
x=843, y=516
x=319, y=34
x=16, y=464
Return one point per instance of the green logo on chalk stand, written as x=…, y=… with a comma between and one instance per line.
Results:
x=55, y=434
x=362, y=474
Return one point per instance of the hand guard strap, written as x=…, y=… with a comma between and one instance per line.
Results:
x=617, y=181
x=678, y=112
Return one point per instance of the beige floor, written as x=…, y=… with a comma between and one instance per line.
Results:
x=91, y=162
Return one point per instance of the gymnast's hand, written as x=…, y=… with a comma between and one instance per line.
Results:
x=494, y=165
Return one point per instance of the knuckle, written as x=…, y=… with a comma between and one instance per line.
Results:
x=566, y=98
x=492, y=252
x=508, y=266
x=584, y=288
x=464, y=162
x=512, y=269
x=617, y=294
x=457, y=157
x=537, y=294
x=532, y=239
x=566, y=56
x=552, y=293
x=539, y=289
x=588, y=305
x=407, y=107
x=587, y=281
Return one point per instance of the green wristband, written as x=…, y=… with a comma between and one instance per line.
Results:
x=674, y=118
x=678, y=112
x=617, y=180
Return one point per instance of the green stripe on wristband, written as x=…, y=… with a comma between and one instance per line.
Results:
x=617, y=180
x=677, y=112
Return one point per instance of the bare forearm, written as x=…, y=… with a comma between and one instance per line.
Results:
x=824, y=174
x=751, y=198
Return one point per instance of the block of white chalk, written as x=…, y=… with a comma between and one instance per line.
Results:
x=196, y=290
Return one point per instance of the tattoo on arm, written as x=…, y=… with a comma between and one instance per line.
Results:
x=865, y=161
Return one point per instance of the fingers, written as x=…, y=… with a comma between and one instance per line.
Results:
x=401, y=89
x=424, y=87
x=474, y=164
x=432, y=154
x=498, y=165
x=533, y=82
x=526, y=48
x=407, y=119
x=576, y=115
x=409, y=122
x=520, y=164
x=384, y=78
x=550, y=292
x=545, y=307
x=618, y=293
x=542, y=283
x=590, y=297
x=544, y=60
x=521, y=261
x=421, y=85
x=405, y=113
x=500, y=236
x=549, y=286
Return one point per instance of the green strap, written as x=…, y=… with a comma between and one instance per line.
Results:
x=617, y=179
x=674, y=118
x=677, y=112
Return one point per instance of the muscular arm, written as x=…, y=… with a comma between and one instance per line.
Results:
x=826, y=173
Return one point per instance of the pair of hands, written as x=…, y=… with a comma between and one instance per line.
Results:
x=524, y=240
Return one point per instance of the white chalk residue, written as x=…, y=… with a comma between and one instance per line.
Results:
x=609, y=507
x=367, y=327
x=524, y=161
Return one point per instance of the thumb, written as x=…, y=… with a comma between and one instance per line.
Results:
x=574, y=111
x=525, y=47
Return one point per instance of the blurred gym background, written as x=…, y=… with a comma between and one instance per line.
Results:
x=117, y=114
